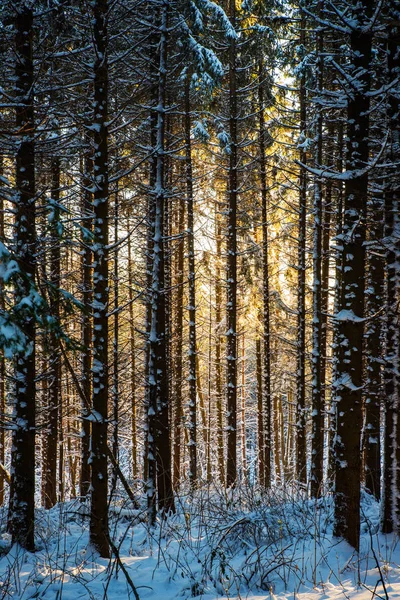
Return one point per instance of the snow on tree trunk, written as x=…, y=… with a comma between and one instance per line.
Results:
x=349, y=371
x=54, y=381
x=132, y=350
x=98, y=457
x=373, y=344
x=23, y=434
x=317, y=414
x=192, y=422
x=86, y=333
x=116, y=326
x=159, y=446
x=391, y=478
x=2, y=364
x=301, y=470
x=231, y=271
x=218, y=354
x=178, y=339
x=265, y=437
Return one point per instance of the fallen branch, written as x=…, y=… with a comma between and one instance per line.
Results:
x=123, y=569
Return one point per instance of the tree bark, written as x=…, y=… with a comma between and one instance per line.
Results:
x=132, y=347
x=3, y=477
x=54, y=383
x=231, y=271
x=23, y=435
x=99, y=480
x=317, y=415
x=390, y=491
x=159, y=446
x=373, y=343
x=349, y=373
x=265, y=479
x=192, y=420
x=260, y=413
x=116, y=325
x=218, y=355
x=301, y=469
x=178, y=338
x=86, y=333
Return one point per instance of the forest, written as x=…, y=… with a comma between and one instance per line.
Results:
x=199, y=299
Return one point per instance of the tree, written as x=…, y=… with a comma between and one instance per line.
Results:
x=23, y=441
x=350, y=318
x=192, y=292
x=231, y=267
x=99, y=414
x=159, y=449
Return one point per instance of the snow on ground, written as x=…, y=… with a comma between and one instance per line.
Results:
x=215, y=546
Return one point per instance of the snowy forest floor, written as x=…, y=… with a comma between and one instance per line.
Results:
x=215, y=546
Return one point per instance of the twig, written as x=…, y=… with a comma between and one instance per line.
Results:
x=123, y=569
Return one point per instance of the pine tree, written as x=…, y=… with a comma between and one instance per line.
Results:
x=350, y=318
x=98, y=458
x=23, y=438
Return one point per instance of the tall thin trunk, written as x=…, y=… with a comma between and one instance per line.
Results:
x=178, y=338
x=61, y=461
x=115, y=390
x=373, y=343
x=277, y=435
x=23, y=435
x=149, y=459
x=192, y=421
x=317, y=414
x=301, y=470
x=267, y=403
x=99, y=479
x=54, y=384
x=338, y=294
x=349, y=373
x=2, y=364
x=260, y=413
x=134, y=440
x=231, y=271
x=86, y=334
x=391, y=479
x=159, y=447
x=209, y=390
x=243, y=411
x=218, y=354
x=325, y=272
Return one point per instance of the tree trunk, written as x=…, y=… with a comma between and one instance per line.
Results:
x=135, y=466
x=243, y=413
x=260, y=420
x=373, y=343
x=159, y=448
x=231, y=271
x=54, y=384
x=391, y=479
x=218, y=355
x=2, y=365
x=338, y=294
x=99, y=480
x=23, y=435
x=115, y=390
x=178, y=338
x=86, y=334
x=301, y=285
x=317, y=415
x=265, y=479
x=192, y=421
x=349, y=373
